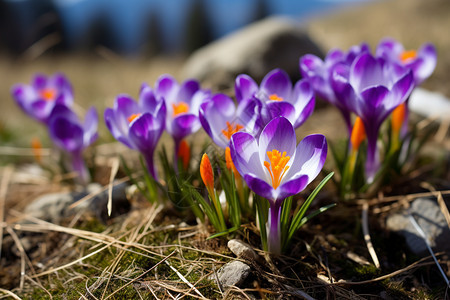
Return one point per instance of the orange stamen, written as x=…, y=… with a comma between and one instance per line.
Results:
x=231, y=129
x=133, y=117
x=180, y=108
x=275, y=97
x=48, y=94
x=407, y=56
x=37, y=149
x=207, y=174
x=358, y=134
x=184, y=153
x=398, y=116
x=277, y=166
x=230, y=164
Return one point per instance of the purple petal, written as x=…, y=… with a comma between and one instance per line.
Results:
x=371, y=102
x=310, y=157
x=187, y=90
x=198, y=99
x=277, y=135
x=167, y=87
x=277, y=82
x=90, y=126
x=39, y=81
x=248, y=114
x=182, y=126
x=366, y=72
x=147, y=99
x=303, y=101
x=245, y=154
x=292, y=187
x=116, y=131
x=275, y=109
x=425, y=64
x=400, y=91
x=311, y=65
x=66, y=135
x=260, y=187
x=245, y=87
x=145, y=132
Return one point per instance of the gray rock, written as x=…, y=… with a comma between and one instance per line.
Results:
x=255, y=50
x=430, y=218
x=242, y=250
x=53, y=207
x=232, y=273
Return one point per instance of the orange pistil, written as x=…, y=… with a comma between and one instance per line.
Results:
x=277, y=166
x=184, y=153
x=207, y=174
x=180, y=108
x=230, y=164
x=37, y=149
x=407, y=56
x=275, y=97
x=358, y=134
x=48, y=94
x=398, y=116
x=133, y=117
x=231, y=129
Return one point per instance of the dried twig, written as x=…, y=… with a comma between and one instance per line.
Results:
x=367, y=239
x=114, y=168
x=9, y=293
x=7, y=173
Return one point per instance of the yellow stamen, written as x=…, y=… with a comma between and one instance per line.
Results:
x=407, y=56
x=184, y=153
x=358, y=134
x=398, y=116
x=230, y=164
x=275, y=97
x=231, y=129
x=48, y=94
x=277, y=166
x=133, y=117
x=180, y=108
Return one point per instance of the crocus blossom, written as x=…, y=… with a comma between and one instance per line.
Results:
x=318, y=72
x=38, y=99
x=221, y=118
x=278, y=96
x=182, y=102
x=72, y=136
x=275, y=168
x=138, y=125
x=422, y=62
x=373, y=88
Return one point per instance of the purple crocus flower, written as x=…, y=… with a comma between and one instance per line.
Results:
x=70, y=135
x=422, y=62
x=318, y=72
x=38, y=99
x=138, y=125
x=373, y=88
x=221, y=118
x=278, y=96
x=183, y=102
x=275, y=168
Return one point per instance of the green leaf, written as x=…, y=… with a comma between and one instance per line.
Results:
x=262, y=211
x=219, y=234
x=297, y=219
x=315, y=213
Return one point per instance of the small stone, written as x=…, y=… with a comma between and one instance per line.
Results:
x=232, y=274
x=274, y=42
x=430, y=104
x=242, y=250
x=430, y=218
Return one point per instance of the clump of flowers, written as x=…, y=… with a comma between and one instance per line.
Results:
x=49, y=100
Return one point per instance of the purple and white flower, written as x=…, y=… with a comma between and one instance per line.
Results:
x=138, y=125
x=38, y=99
x=275, y=167
x=278, y=96
x=422, y=62
x=318, y=72
x=221, y=118
x=373, y=88
x=72, y=136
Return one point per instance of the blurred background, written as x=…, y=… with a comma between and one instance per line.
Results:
x=107, y=47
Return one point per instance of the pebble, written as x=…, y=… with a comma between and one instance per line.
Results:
x=242, y=250
x=232, y=274
x=430, y=104
x=430, y=218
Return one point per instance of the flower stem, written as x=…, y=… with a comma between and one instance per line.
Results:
x=79, y=167
x=274, y=230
